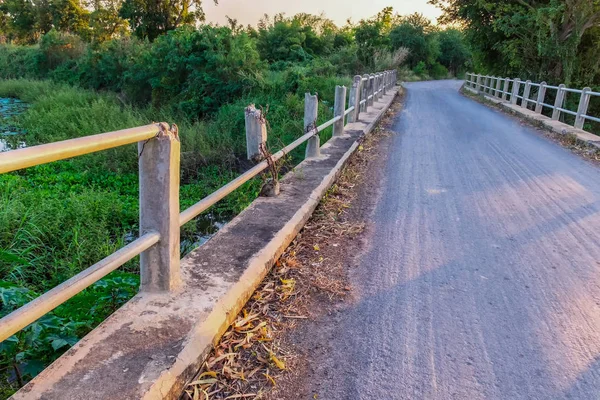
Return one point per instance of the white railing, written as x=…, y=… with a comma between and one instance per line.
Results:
x=160, y=219
x=510, y=90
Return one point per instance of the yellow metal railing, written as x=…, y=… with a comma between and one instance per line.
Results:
x=158, y=151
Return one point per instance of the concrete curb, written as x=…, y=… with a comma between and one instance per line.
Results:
x=154, y=344
x=539, y=120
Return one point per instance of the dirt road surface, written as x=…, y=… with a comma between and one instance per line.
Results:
x=480, y=277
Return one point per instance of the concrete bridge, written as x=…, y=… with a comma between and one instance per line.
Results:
x=482, y=274
x=480, y=279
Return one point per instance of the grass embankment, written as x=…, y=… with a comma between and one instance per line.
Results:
x=60, y=218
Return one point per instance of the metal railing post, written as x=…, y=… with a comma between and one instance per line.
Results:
x=311, y=111
x=515, y=92
x=355, y=99
x=526, y=93
x=256, y=132
x=505, y=89
x=584, y=102
x=339, y=108
x=539, y=104
x=559, y=102
x=159, y=160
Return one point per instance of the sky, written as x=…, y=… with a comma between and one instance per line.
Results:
x=249, y=12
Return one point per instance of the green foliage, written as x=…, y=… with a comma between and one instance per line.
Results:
x=413, y=34
x=19, y=62
x=25, y=354
x=152, y=18
x=298, y=39
x=196, y=70
x=550, y=40
x=438, y=71
x=420, y=69
x=455, y=54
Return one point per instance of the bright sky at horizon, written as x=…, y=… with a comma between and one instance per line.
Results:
x=249, y=12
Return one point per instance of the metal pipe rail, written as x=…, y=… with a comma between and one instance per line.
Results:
x=474, y=81
x=46, y=153
x=37, y=308
x=159, y=153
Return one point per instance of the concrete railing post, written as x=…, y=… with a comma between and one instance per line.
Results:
x=339, y=108
x=371, y=91
x=256, y=132
x=311, y=111
x=584, y=102
x=539, y=104
x=478, y=84
x=498, y=87
x=526, y=93
x=364, y=92
x=505, y=90
x=384, y=83
x=159, y=209
x=559, y=102
x=355, y=99
x=515, y=92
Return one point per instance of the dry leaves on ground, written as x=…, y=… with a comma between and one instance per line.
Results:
x=250, y=358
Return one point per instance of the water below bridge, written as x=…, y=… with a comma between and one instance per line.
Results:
x=9, y=133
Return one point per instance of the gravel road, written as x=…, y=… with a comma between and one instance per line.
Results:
x=481, y=276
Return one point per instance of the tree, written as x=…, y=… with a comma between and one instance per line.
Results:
x=21, y=18
x=538, y=39
x=69, y=16
x=411, y=34
x=300, y=38
x=151, y=18
x=105, y=22
x=454, y=52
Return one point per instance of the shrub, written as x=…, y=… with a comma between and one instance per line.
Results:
x=438, y=71
x=19, y=62
x=420, y=69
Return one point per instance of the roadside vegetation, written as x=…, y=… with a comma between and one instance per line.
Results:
x=555, y=41
x=87, y=69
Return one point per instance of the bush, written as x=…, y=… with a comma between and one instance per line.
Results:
x=19, y=62
x=420, y=69
x=59, y=50
x=438, y=71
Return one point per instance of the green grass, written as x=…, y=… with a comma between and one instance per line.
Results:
x=58, y=219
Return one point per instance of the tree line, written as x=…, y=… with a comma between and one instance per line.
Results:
x=543, y=40
x=162, y=51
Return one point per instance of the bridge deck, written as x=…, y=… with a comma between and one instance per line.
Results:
x=481, y=279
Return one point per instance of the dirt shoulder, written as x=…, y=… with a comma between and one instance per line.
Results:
x=267, y=353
